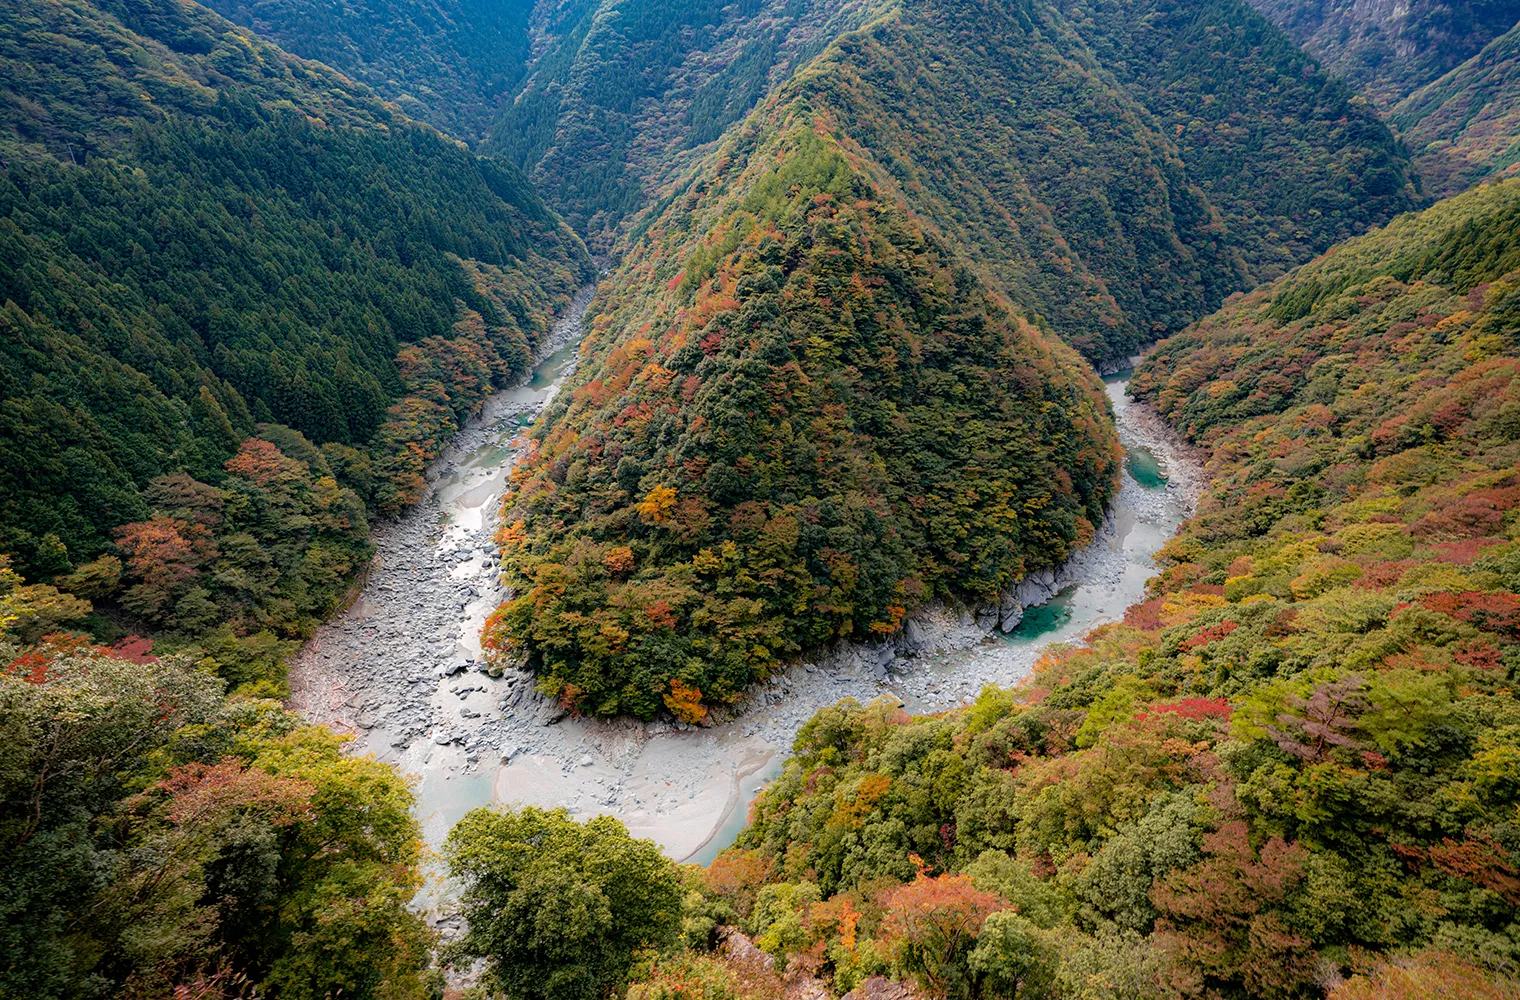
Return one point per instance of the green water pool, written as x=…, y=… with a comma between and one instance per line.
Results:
x=1042, y=619
x=1144, y=468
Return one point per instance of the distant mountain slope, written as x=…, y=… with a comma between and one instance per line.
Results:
x=1126, y=163
x=201, y=238
x=1418, y=307
x=1466, y=126
x=446, y=62
x=999, y=132
x=1387, y=49
x=620, y=89
x=80, y=77
x=1122, y=166
x=1290, y=159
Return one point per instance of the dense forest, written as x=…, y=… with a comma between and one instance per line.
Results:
x=1298, y=755
x=244, y=302
x=449, y=63
x=800, y=416
x=863, y=260
x=1117, y=209
x=1465, y=126
x=657, y=541
x=1385, y=49
x=1122, y=166
x=162, y=841
x=620, y=90
x=207, y=239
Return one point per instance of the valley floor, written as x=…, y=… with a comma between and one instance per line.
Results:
x=402, y=667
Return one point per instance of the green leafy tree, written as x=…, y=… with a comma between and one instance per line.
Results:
x=933, y=924
x=159, y=838
x=1011, y=959
x=560, y=909
x=254, y=245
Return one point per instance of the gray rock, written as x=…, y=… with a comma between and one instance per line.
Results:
x=913, y=637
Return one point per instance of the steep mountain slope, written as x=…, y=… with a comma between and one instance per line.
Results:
x=446, y=62
x=751, y=467
x=1123, y=165
x=1387, y=49
x=1288, y=158
x=204, y=238
x=1241, y=790
x=1106, y=192
x=620, y=89
x=1046, y=174
x=1466, y=126
x=800, y=414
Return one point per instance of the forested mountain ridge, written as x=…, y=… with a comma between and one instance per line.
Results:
x=449, y=63
x=1104, y=191
x=206, y=238
x=799, y=415
x=1232, y=158
x=1465, y=126
x=1288, y=157
x=1058, y=185
x=1386, y=49
x=1100, y=236
x=1290, y=772
x=114, y=64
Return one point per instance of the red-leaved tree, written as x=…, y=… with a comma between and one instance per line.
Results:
x=1221, y=919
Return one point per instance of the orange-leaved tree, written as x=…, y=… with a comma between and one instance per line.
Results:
x=932, y=923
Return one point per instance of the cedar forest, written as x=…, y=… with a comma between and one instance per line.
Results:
x=858, y=264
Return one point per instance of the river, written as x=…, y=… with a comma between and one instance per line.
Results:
x=401, y=667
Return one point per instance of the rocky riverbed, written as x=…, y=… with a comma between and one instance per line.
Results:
x=402, y=667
